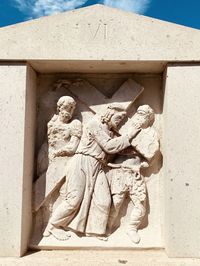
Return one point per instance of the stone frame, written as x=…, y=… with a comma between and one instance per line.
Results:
x=29, y=78
x=175, y=50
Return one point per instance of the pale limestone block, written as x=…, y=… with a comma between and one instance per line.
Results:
x=99, y=33
x=100, y=257
x=98, y=66
x=17, y=118
x=182, y=161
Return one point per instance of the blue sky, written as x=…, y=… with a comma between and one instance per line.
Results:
x=183, y=12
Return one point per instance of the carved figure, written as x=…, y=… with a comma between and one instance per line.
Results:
x=125, y=177
x=63, y=140
x=86, y=198
x=63, y=137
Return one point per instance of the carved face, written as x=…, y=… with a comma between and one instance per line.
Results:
x=66, y=112
x=141, y=120
x=116, y=119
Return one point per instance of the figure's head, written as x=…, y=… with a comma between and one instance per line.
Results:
x=115, y=113
x=65, y=108
x=144, y=116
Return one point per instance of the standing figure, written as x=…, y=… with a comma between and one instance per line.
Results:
x=63, y=139
x=63, y=135
x=125, y=177
x=86, y=200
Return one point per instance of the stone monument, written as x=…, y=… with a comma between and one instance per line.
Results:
x=79, y=192
x=98, y=121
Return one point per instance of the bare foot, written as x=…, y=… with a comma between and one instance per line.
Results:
x=47, y=231
x=60, y=234
x=134, y=236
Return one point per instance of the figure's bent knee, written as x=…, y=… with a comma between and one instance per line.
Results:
x=74, y=199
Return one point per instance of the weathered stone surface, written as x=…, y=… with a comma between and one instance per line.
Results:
x=98, y=258
x=109, y=34
x=63, y=137
x=182, y=161
x=113, y=42
x=17, y=118
x=97, y=142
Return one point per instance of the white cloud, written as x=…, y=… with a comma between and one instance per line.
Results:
x=137, y=6
x=39, y=8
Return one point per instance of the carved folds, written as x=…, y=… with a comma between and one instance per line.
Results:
x=86, y=170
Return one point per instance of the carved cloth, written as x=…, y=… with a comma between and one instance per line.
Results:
x=87, y=180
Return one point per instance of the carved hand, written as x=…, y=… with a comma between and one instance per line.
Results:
x=133, y=132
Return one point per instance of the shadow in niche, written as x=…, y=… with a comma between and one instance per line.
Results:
x=154, y=167
x=31, y=252
x=42, y=164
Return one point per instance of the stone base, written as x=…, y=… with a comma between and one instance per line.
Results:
x=106, y=257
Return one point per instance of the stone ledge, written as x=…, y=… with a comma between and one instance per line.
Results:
x=97, y=257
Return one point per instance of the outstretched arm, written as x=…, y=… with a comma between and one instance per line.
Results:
x=108, y=144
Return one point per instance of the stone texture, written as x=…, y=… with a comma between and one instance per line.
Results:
x=128, y=92
x=16, y=157
x=96, y=102
x=98, y=66
x=63, y=139
x=98, y=258
x=182, y=161
x=109, y=34
x=56, y=44
x=109, y=85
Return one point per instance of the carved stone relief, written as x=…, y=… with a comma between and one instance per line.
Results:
x=87, y=170
x=125, y=176
x=63, y=139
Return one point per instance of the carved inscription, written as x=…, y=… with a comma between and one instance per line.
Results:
x=99, y=31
